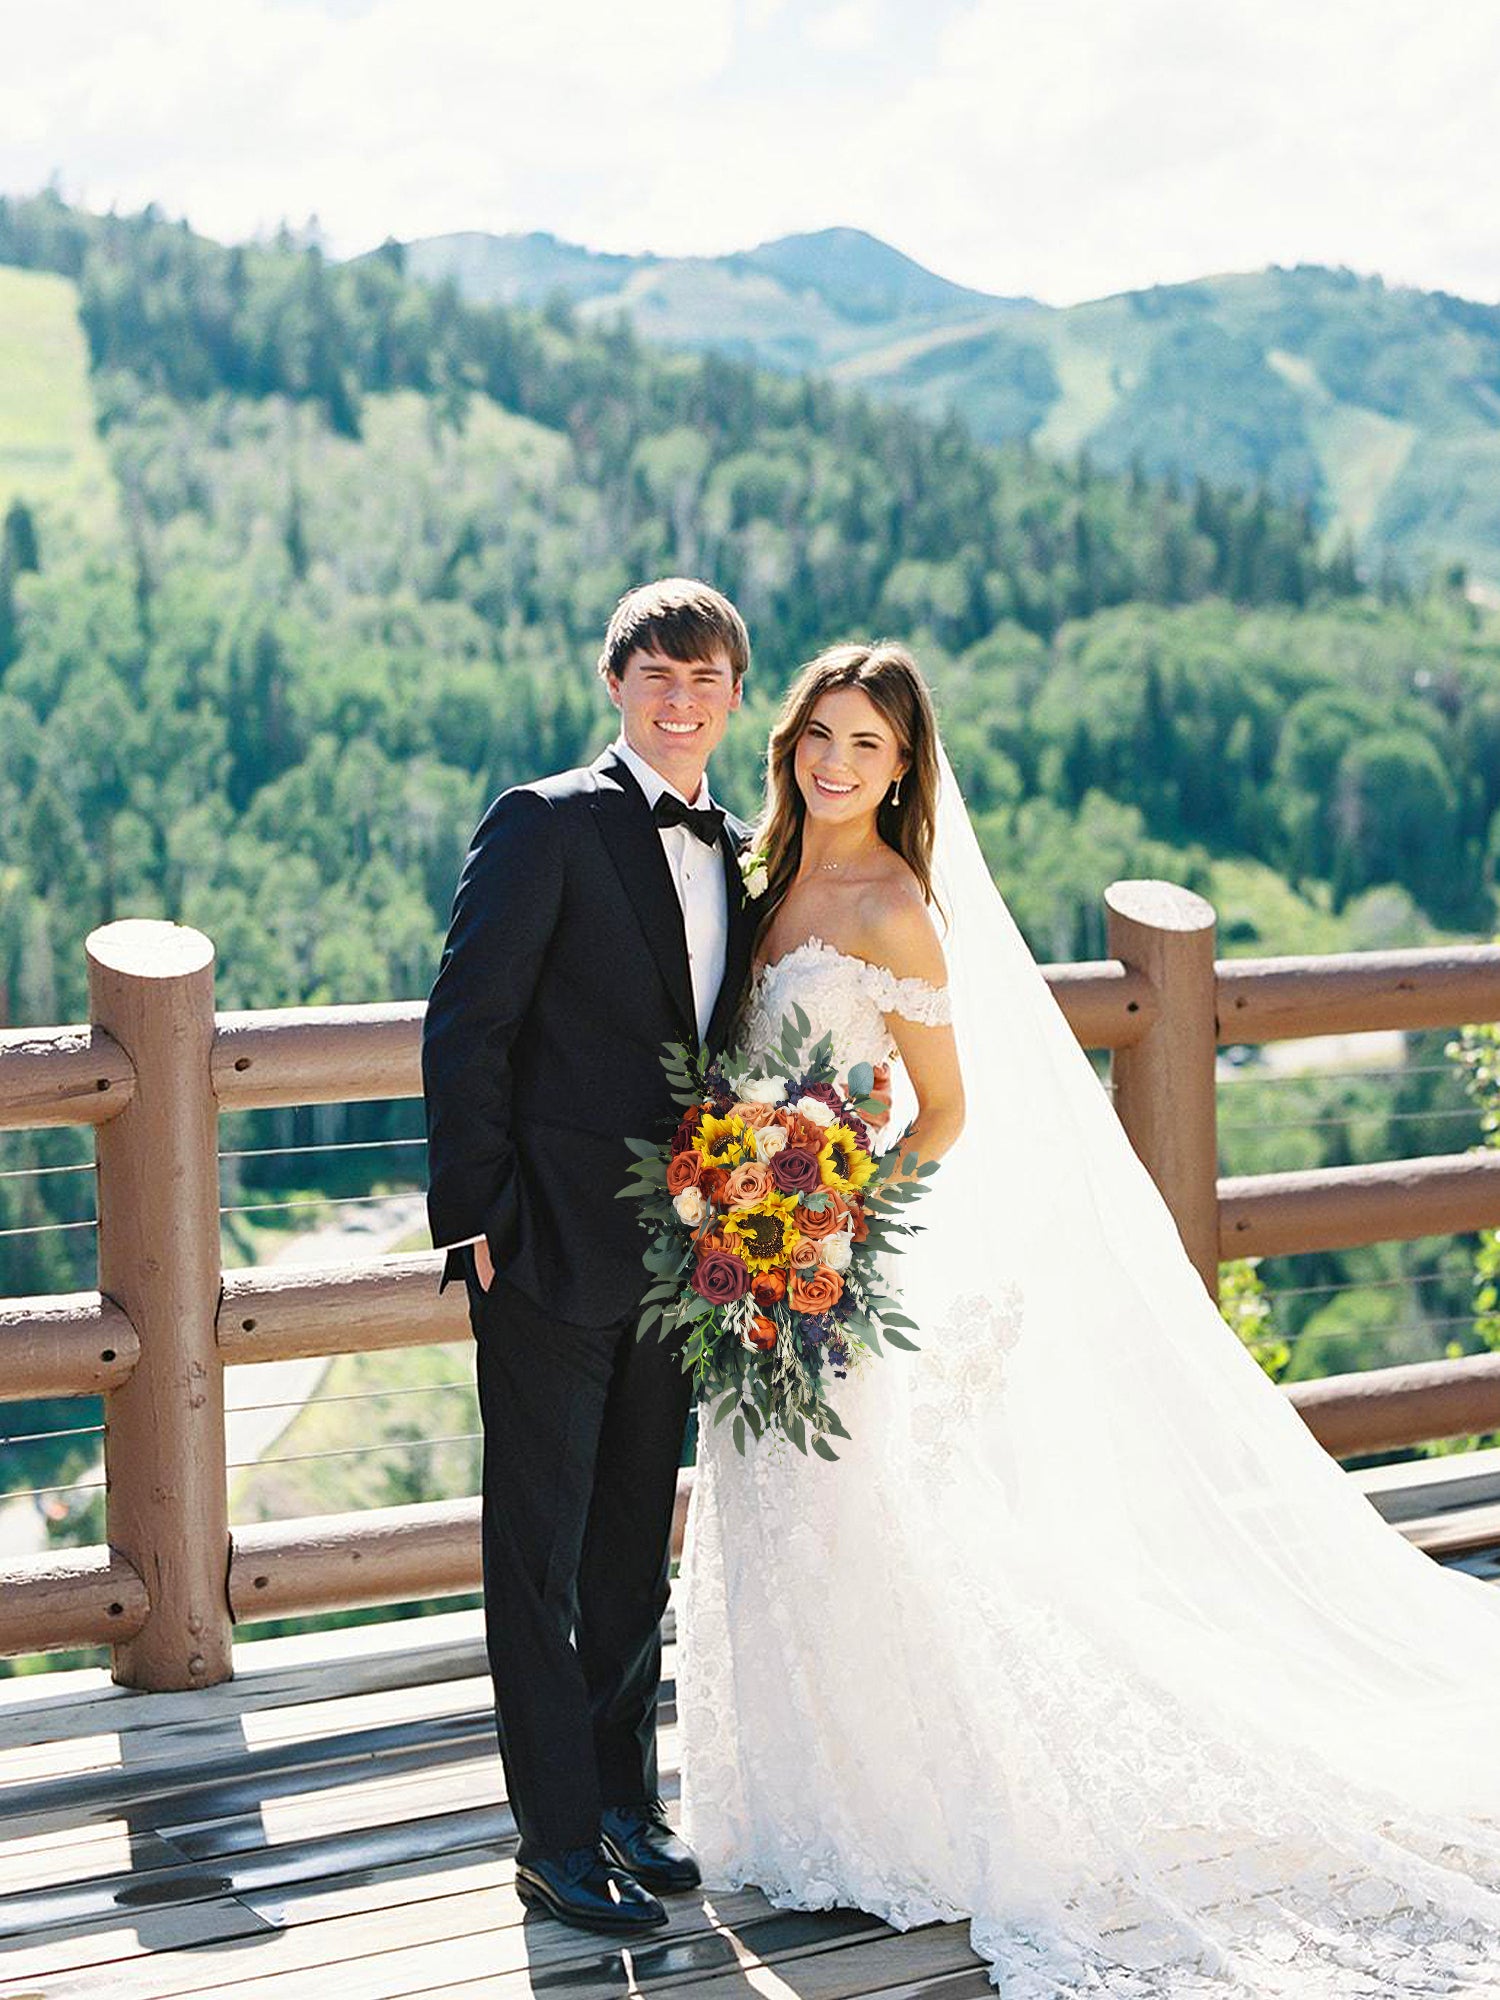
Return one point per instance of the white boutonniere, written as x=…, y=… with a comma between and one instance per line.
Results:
x=755, y=874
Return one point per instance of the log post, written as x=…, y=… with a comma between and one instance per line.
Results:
x=151, y=987
x=1164, y=1083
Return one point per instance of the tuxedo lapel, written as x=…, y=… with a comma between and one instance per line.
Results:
x=741, y=937
x=629, y=833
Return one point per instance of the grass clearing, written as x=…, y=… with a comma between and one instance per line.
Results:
x=51, y=455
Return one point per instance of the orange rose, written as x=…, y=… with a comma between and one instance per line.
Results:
x=804, y=1256
x=749, y=1182
x=683, y=1171
x=754, y=1115
x=761, y=1333
x=816, y=1223
x=801, y=1131
x=815, y=1291
x=712, y=1240
x=769, y=1288
x=713, y=1181
x=859, y=1229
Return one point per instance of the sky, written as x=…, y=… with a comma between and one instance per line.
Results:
x=1063, y=149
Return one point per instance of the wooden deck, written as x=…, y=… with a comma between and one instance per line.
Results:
x=332, y=1824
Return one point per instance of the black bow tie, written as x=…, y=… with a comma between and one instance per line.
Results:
x=705, y=823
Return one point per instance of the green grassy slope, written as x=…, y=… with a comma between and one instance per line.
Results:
x=50, y=453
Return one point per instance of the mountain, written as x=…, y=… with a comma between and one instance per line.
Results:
x=801, y=302
x=1377, y=405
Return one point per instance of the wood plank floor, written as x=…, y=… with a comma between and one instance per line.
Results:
x=332, y=1824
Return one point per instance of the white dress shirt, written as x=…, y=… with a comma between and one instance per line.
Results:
x=698, y=875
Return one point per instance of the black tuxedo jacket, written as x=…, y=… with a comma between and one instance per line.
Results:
x=564, y=973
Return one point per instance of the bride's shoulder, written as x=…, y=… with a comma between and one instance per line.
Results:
x=897, y=930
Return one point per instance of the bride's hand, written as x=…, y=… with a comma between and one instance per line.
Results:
x=881, y=1088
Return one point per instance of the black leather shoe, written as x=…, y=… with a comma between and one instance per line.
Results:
x=639, y=1839
x=581, y=1888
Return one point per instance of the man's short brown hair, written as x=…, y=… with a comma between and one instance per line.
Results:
x=679, y=617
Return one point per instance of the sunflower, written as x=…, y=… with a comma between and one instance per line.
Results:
x=763, y=1233
x=846, y=1166
x=724, y=1142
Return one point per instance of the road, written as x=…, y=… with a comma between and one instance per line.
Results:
x=259, y=1401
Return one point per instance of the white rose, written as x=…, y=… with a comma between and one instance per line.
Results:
x=757, y=881
x=837, y=1251
x=815, y=1109
x=763, y=1090
x=689, y=1206
x=769, y=1140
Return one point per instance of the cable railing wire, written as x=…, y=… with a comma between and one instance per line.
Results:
x=1356, y=1285
x=320, y=1201
x=42, y=1228
x=354, y=1451
x=40, y=1492
x=333, y=1146
x=1344, y=1118
x=44, y=1437
x=33, y=1173
x=359, y=1396
x=1250, y=1073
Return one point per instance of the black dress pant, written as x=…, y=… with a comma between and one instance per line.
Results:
x=583, y=1431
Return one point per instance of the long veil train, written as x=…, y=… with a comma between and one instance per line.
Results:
x=1086, y=1639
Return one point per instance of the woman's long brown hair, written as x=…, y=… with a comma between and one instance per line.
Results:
x=889, y=676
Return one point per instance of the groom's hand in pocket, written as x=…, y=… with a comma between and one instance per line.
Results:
x=484, y=1264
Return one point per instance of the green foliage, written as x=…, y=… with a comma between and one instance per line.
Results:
x=1246, y=1309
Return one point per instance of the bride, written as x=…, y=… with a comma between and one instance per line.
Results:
x=1083, y=1638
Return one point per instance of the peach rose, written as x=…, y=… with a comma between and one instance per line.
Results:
x=817, y=1223
x=754, y=1115
x=804, y=1256
x=683, y=1171
x=815, y=1291
x=749, y=1182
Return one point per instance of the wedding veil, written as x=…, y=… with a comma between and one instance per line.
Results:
x=1167, y=1491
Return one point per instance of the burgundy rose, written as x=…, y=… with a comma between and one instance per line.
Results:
x=682, y=1138
x=795, y=1170
x=720, y=1278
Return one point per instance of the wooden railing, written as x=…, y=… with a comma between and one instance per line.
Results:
x=156, y=1066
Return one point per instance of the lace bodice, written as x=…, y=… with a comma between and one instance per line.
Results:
x=844, y=996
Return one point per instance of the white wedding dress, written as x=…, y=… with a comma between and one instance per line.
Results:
x=1083, y=1639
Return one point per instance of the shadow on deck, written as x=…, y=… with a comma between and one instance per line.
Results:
x=332, y=1823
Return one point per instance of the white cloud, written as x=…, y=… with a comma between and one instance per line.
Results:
x=1062, y=147
x=844, y=29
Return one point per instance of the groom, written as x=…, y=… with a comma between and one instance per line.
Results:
x=600, y=914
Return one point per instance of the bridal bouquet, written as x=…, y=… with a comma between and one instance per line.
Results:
x=767, y=1212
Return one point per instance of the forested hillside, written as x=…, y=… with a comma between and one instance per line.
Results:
x=364, y=538
x=300, y=563
x=1378, y=405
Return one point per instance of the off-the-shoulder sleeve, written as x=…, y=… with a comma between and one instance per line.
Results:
x=913, y=999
